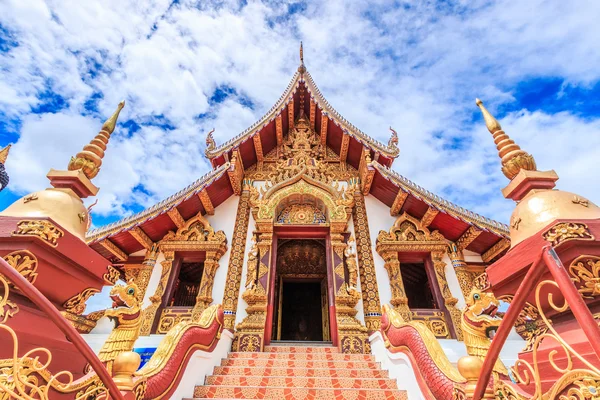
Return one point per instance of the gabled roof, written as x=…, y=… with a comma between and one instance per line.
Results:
x=470, y=230
x=336, y=127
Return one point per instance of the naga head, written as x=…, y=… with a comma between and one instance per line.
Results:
x=481, y=310
x=125, y=297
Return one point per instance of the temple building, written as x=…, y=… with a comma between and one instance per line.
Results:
x=301, y=266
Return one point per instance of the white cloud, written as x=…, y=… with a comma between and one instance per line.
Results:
x=417, y=68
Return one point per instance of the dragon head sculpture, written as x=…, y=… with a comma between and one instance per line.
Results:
x=125, y=298
x=481, y=312
x=126, y=313
x=480, y=318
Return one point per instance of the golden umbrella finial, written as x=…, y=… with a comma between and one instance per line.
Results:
x=513, y=158
x=4, y=154
x=89, y=159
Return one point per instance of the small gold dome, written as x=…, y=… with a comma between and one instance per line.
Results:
x=469, y=367
x=62, y=205
x=540, y=207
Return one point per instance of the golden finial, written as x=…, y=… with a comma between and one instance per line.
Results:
x=301, y=68
x=4, y=154
x=89, y=159
x=111, y=123
x=513, y=158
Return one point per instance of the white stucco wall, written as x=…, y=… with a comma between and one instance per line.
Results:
x=379, y=218
x=224, y=219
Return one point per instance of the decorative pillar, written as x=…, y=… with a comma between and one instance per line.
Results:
x=142, y=278
x=149, y=312
x=204, y=297
x=236, y=258
x=368, y=280
x=399, y=299
x=465, y=274
x=353, y=337
x=440, y=273
x=250, y=333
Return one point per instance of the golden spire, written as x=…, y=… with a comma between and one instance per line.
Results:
x=513, y=158
x=89, y=159
x=4, y=154
x=301, y=68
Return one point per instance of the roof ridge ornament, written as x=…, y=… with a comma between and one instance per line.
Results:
x=211, y=144
x=393, y=142
x=513, y=158
x=301, y=68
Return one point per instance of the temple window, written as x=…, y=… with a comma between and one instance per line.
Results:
x=417, y=286
x=187, y=285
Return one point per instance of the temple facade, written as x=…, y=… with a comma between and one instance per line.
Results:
x=301, y=266
x=302, y=231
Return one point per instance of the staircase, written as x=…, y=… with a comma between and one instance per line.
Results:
x=299, y=372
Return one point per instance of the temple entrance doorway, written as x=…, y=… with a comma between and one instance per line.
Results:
x=301, y=311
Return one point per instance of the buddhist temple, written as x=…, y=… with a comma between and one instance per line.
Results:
x=302, y=266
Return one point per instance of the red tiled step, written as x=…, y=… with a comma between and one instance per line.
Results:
x=302, y=382
x=304, y=356
x=263, y=362
x=301, y=349
x=305, y=372
x=279, y=393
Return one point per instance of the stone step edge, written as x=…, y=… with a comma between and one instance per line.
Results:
x=275, y=355
x=283, y=387
x=303, y=377
x=298, y=368
x=240, y=363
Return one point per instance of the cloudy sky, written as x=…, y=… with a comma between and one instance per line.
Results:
x=185, y=67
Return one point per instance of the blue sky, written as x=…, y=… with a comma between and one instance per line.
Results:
x=185, y=67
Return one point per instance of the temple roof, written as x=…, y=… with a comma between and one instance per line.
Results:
x=471, y=231
x=327, y=121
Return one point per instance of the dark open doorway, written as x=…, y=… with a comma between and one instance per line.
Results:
x=301, y=317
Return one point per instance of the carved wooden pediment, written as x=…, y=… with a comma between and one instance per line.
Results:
x=196, y=234
x=408, y=234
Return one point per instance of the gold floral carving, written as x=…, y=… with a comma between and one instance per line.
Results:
x=176, y=217
x=398, y=202
x=236, y=172
x=408, y=235
x=41, y=228
x=368, y=279
x=435, y=321
x=76, y=304
x=119, y=255
x=111, y=276
x=528, y=325
x=301, y=214
x=573, y=383
x=27, y=377
x=206, y=202
x=171, y=316
x=352, y=334
x=249, y=334
x=24, y=262
x=236, y=258
x=565, y=231
x=495, y=250
x=585, y=272
x=468, y=237
x=429, y=216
